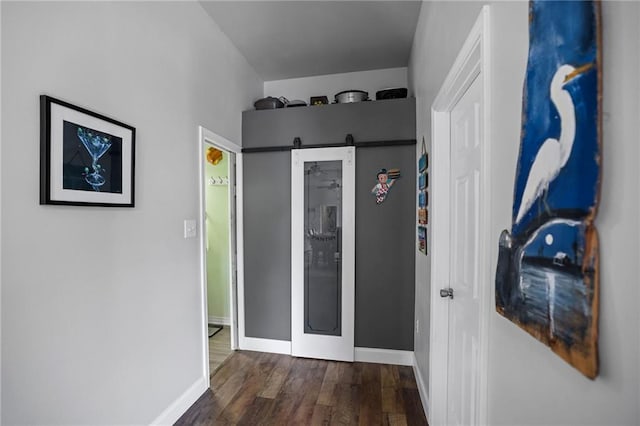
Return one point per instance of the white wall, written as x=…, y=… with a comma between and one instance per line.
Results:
x=441, y=31
x=328, y=85
x=529, y=384
x=101, y=320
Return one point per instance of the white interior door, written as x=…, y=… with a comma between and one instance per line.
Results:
x=464, y=294
x=460, y=266
x=323, y=253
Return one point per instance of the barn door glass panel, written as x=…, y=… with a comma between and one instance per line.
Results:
x=323, y=248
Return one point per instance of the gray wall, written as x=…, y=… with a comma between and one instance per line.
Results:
x=527, y=383
x=384, y=294
x=366, y=121
x=385, y=241
x=101, y=307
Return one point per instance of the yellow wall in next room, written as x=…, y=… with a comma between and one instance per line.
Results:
x=217, y=226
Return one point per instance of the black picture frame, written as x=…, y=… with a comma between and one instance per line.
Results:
x=86, y=158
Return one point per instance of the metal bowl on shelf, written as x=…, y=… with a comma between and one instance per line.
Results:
x=349, y=96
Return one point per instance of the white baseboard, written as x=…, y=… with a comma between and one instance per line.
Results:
x=374, y=355
x=265, y=345
x=172, y=413
x=422, y=388
x=384, y=356
x=219, y=320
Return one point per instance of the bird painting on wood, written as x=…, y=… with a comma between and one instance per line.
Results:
x=547, y=274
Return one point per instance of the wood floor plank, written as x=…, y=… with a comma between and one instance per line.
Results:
x=315, y=372
x=392, y=400
x=413, y=407
x=284, y=407
x=228, y=390
x=395, y=420
x=327, y=395
x=389, y=375
x=407, y=379
x=334, y=370
x=347, y=409
x=258, y=413
x=243, y=399
x=276, y=378
x=253, y=388
x=321, y=415
x=219, y=348
x=208, y=410
x=370, y=402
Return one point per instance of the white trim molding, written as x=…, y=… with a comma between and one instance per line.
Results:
x=178, y=407
x=219, y=320
x=207, y=138
x=265, y=345
x=384, y=356
x=472, y=62
x=422, y=388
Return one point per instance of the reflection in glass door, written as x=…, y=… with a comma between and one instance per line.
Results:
x=322, y=293
x=322, y=269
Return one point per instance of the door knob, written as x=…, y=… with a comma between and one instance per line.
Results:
x=446, y=292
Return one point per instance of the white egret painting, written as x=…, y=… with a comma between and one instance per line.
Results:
x=547, y=273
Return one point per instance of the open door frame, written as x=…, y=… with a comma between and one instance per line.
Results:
x=472, y=62
x=208, y=138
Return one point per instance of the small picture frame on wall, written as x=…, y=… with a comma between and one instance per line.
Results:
x=423, y=180
x=422, y=239
x=86, y=159
x=423, y=216
x=423, y=198
x=423, y=161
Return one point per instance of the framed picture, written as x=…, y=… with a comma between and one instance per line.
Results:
x=423, y=198
x=423, y=180
x=86, y=159
x=423, y=161
x=422, y=239
x=423, y=216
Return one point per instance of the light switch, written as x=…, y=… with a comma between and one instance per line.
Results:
x=190, y=228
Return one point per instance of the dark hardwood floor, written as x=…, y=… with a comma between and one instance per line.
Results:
x=254, y=388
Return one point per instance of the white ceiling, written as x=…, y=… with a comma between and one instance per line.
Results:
x=289, y=39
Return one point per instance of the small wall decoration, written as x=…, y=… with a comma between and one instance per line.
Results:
x=386, y=179
x=423, y=216
x=547, y=275
x=423, y=198
x=214, y=155
x=85, y=158
x=423, y=180
x=423, y=161
x=218, y=180
x=422, y=239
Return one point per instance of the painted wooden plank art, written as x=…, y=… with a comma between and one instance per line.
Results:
x=547, y=275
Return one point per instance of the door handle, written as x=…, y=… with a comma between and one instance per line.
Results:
x=446, y=292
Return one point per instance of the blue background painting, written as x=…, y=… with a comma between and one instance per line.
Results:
x=561, y=32
x=547, y=273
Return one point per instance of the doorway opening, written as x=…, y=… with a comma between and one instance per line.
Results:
x=460, y=274
x=219, y=254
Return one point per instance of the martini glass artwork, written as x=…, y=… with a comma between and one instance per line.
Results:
x=96, y=144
